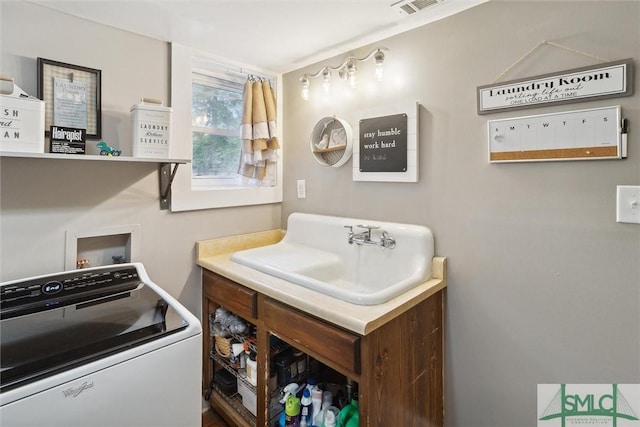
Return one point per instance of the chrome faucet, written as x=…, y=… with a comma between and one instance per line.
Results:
x=364, y=237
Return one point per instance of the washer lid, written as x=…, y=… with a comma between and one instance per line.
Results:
x=67, y=325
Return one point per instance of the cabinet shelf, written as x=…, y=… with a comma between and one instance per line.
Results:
x=330, y=149
x=238, y=373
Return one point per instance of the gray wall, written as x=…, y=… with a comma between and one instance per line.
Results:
x=543, y=283
x=41, y=199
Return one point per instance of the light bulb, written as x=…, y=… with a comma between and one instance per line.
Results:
x=351, y=73
x=379, y=72
x=379, y=57
x=305, y=87
x=326, y=79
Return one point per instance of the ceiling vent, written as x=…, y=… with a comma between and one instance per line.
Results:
x=409, y=7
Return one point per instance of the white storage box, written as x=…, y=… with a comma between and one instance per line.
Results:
x=21, y=120
x=151, y=123
x=249, y=398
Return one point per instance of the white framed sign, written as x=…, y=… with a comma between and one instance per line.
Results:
x=387, y=147
x=609, y=80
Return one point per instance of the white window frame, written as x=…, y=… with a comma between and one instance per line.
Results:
x=183, y=196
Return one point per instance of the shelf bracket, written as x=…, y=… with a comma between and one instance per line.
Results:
x=166, y=179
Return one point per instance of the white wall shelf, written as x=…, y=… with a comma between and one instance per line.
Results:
x=165, y=172
x=90, y=157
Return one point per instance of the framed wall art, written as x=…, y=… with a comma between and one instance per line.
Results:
x=387, y=148
x=72, y=96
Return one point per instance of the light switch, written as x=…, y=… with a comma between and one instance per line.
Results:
x=302, y=189
x=628, y=204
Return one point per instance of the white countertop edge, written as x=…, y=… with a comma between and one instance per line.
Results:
x=361, y=319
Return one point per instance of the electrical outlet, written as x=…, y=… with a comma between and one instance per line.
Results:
x=302, y=189
x=628, y=204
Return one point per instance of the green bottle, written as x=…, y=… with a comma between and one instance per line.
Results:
x=350, y=414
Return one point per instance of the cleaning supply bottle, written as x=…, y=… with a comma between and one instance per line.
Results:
x=331, y=417
x=312, y=384
x=350, y=415
x=292, y=412
x=327, y=400
x=306, y=409
x=252, y=369
x=316, y=402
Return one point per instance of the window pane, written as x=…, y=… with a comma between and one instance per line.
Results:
x=215, y=155
x=216, y=107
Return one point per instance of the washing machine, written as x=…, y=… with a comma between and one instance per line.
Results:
x=103, y=346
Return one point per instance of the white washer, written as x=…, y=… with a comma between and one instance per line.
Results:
x=97, y=347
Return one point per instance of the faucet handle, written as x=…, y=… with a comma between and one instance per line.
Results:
x=367, y=226
x=350, y=238
x=387, y=241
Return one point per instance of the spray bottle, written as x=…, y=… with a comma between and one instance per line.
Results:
x=292, y=412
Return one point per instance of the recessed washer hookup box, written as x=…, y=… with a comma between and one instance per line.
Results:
x=151, y=122
x=21, y=120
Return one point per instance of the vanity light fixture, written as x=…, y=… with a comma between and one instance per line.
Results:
x=346, y=71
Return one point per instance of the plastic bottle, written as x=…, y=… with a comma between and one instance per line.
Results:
x=301, y=362
x=350, y=415
x=283, y=368
x=292, y=412
x=331, y=417
x=306, y=410
x=316, y=402
x=252, y=369
x=327, y=401
x=312, y=384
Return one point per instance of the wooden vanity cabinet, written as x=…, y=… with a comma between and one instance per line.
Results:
x=398, y=366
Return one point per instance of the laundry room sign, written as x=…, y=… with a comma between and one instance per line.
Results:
x=608, y=80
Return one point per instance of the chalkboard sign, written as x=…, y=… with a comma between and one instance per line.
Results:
x=383, y=144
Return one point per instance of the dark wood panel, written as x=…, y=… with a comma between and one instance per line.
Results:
x=310, y=334
x=402, y=380
x=211, y=419
x=237, y=298
x=227, y=412
x=207, y=373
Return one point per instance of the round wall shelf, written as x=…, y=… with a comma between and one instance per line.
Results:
x=331, y=141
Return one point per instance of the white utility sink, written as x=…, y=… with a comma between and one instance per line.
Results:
x=315, y=253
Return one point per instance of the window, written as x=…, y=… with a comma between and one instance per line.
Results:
x=207, y=102
x=215, y=121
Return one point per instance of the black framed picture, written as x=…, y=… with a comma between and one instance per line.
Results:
x=72, y=96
